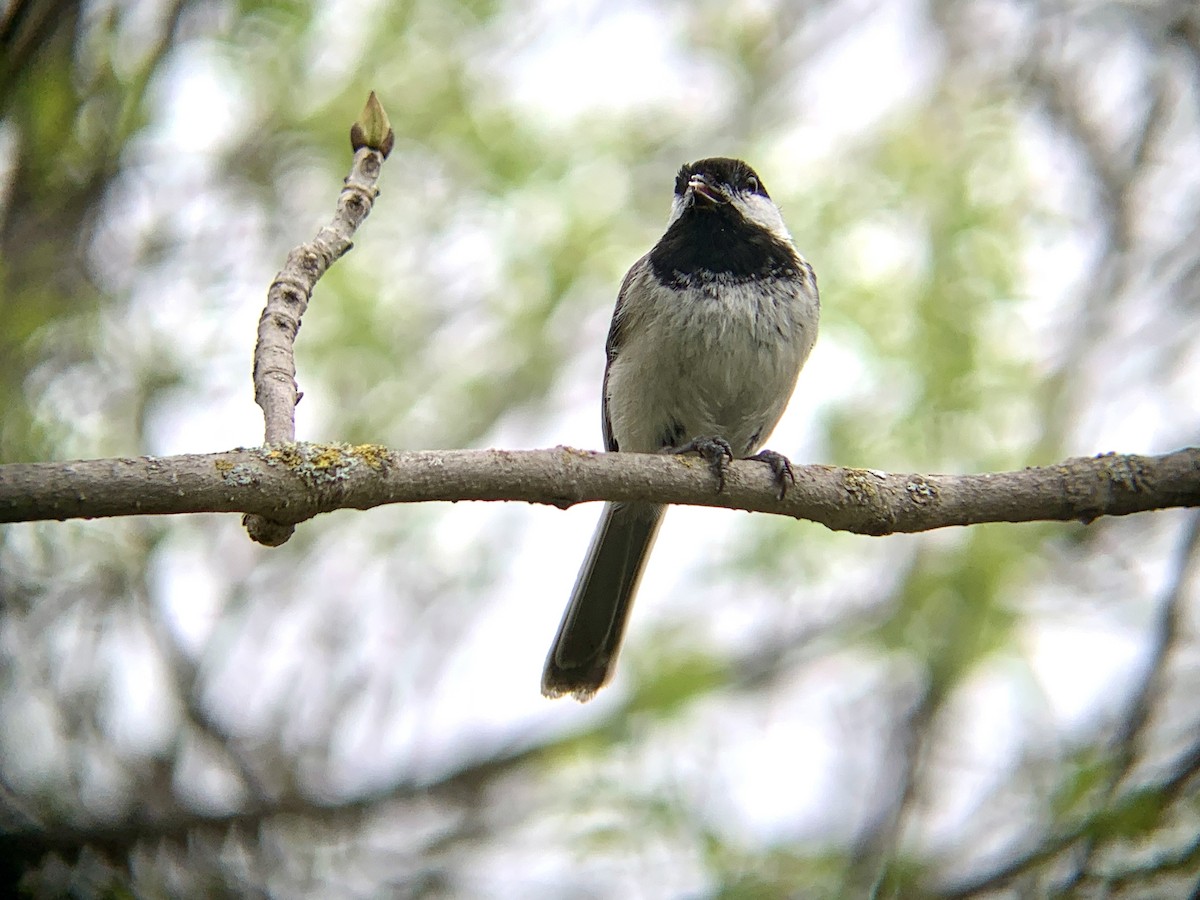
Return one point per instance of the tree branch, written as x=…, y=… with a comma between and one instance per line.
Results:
x=294, y=482
x=275, y=388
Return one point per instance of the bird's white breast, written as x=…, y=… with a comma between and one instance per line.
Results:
x=718, y=357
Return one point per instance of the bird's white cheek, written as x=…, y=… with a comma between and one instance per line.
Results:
x=765, y=214
x=677, y=207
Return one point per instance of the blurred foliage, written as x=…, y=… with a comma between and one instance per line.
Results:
x=924, y=323
x=1006, y=249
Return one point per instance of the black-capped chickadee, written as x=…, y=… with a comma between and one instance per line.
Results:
x=710, y=331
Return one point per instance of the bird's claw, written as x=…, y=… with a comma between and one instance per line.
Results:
x=781, y=469
x=713, y=450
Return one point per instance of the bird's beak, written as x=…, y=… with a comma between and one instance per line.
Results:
x=705, y=191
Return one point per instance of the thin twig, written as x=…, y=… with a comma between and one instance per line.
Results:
x=275, y=388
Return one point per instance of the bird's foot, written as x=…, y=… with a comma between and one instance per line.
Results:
x=713, y=450
x=781, y=469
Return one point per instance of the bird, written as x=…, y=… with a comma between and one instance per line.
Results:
x=710, y=332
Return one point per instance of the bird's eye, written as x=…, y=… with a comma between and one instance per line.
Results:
x=753, y=185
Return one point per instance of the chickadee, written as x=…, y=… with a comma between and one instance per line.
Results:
x=710, y=331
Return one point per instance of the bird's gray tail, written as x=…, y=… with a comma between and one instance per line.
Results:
x=585, y=649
